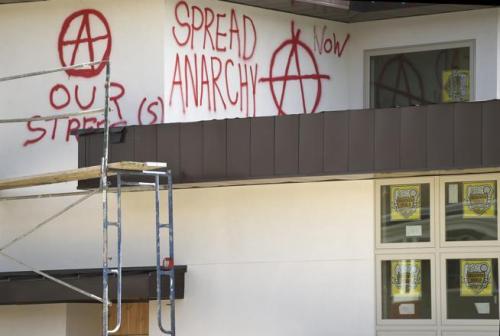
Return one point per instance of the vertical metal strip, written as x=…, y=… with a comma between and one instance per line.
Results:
x=104, y=188
x=159, y=271
x=119, y=254
x=171, y=252
x=158, y=254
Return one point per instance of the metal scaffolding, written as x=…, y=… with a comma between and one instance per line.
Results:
x=121, y=170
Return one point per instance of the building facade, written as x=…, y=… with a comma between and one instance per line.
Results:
x=333, y=176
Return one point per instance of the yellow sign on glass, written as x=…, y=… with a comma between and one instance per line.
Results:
x=456, y=85
x=476, y=277
x=405, y=202
x=406, y=279
x=479, y=199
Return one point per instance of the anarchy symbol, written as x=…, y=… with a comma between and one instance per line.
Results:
x=294, y=56
x=71, y=46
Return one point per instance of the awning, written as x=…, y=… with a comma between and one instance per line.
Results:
x=139, y=285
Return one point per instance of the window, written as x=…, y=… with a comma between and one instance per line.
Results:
x=420, y=75
x=404, y=213
x=469, y=210
x=406, y=289
x=472, y=289
x=437, y=274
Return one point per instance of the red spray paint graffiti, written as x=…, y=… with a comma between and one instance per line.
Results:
x=69, y=47
x=151, y=113
x=293, y=46
x=91, y=42
x=329, y=44
x=203, y=80
x=60, y=98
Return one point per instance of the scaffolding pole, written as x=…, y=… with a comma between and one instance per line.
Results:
x=53, y=117
x=103, y=171
x=103, y=188
x=48, y=220
x=49, y=71
x=106, y=271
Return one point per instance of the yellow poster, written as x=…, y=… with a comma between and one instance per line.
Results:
x=476, y=277
x=405, y=202
x=479, y=199
x=456, y=86
x=406, y=279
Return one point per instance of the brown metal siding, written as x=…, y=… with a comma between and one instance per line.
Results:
x=262, y=147
x=214, y=149
x=491, y=133
x=238, y=148
x=444, y=136
x=82, y=153
x=387, y=139
x=311, y=140
x=123, y=150
x=286, y=140
x=145, y=143
x=468, y=134
x=413, y=146
x=94, y=149
x=168, y=147
x=361, y=141
x=191, y=148
x=440, y=136
x=336, y=142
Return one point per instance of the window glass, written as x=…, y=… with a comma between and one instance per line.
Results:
x=405, y=213
x=472, y=288
x=406, y=289
x=420, y=78
x=471, y=211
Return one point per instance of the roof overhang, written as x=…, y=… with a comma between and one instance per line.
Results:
x=354, y=11
x=359, y=11
x=139, y=285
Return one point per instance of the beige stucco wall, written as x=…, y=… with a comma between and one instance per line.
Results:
x=40, y=320
x=270, y=259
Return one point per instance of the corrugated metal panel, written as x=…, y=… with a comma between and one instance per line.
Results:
x=440, y=149
x=413, y=148
x=491, y=133
x=361, y=137
x=191, y=148
x=468, y=134
x=168, y=147
x=336, y=142
x=145, y=143
x=94, y=149
x=238, y=148
x=286, y=140
x=434, y=137
x=123, y=150
x=214, y=149
x=311, y=143
x=387, y=139
x=262, y=147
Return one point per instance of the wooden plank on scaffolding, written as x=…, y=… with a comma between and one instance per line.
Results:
x=76, y=174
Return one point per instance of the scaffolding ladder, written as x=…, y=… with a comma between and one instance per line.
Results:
x=121, y=170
